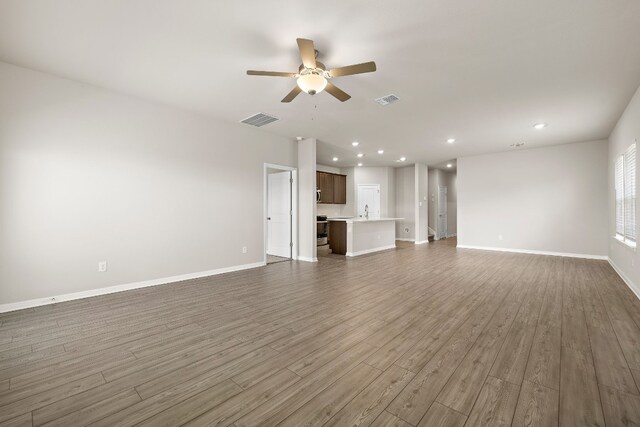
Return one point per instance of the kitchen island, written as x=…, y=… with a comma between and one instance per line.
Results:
x=359, y=236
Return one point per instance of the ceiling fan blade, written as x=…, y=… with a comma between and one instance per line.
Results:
x=270, y=73
x=337, y=92
x=296, y=90
x=307, y=52
x=365, y=67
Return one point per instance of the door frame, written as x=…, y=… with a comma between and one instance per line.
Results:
x=446, y=219
x=294, y=208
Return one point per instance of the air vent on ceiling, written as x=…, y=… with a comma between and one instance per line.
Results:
x=517, y=144
x=386, y=100
x=259, y=119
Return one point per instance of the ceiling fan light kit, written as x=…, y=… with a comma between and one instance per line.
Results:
x=312, y=83
x=312, y=77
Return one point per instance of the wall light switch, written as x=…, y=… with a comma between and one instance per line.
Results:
x=102, y=266
x=499, y=236
x=244, y=250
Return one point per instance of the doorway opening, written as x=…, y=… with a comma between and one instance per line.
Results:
x=280, y=211
x=369, y=201
x=442, y=213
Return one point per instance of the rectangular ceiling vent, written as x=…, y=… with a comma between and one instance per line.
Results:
x=386, y=100
x=259, y=119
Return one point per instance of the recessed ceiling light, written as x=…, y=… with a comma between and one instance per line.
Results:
x=355, y=143
x=451, y=140
x=299, y=138
x=380, y=151
x=402, y=159
x=449, y=165
x=540, y=126
x=335, y=159
x=360, y=154
x=359, y=164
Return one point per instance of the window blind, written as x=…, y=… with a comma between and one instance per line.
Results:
x=629, y=171
x=619, y=187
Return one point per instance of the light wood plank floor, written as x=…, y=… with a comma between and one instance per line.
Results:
x=419, y=336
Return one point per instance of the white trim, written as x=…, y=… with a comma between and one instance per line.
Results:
x=368, y=251
x=307, y=259
x=402, y=239
x=422, y=242
x=125, y=287
x=527, y=251
x=634, y=288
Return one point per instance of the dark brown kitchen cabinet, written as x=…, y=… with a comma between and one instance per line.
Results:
x=325, y=185
x=333, y=187
x=340, y=189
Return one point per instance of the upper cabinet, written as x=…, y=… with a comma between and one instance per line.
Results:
x=340, y=189
x=333, y=187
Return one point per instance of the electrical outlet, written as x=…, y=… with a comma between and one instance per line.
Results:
x=102, y=266
x=499, y=236
x=244, y=250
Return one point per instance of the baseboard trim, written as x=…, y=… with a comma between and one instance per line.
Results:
x=307, y=259
x=368, y=251
x=402, y=239
x=635, y=289
x=21, y=305
x=422, y=242
x=527, y=251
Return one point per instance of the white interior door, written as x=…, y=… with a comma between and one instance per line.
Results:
x=369, y=196
x=442, y=212
x=279, y=214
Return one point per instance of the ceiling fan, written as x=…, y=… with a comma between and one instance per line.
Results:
x=313, y=77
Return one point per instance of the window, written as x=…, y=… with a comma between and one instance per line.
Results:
x=625, y=185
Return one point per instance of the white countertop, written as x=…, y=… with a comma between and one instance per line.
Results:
x=354, y=219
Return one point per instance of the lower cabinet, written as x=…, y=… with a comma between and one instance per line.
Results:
x=338, y=237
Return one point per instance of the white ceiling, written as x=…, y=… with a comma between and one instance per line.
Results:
x=480, y=71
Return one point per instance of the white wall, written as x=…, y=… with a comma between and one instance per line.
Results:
x=383, y=176
x=405, y=202
x=625, y=133
x=421, y=202
x=545, y=199
x=307, y=205
x=88, y=175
